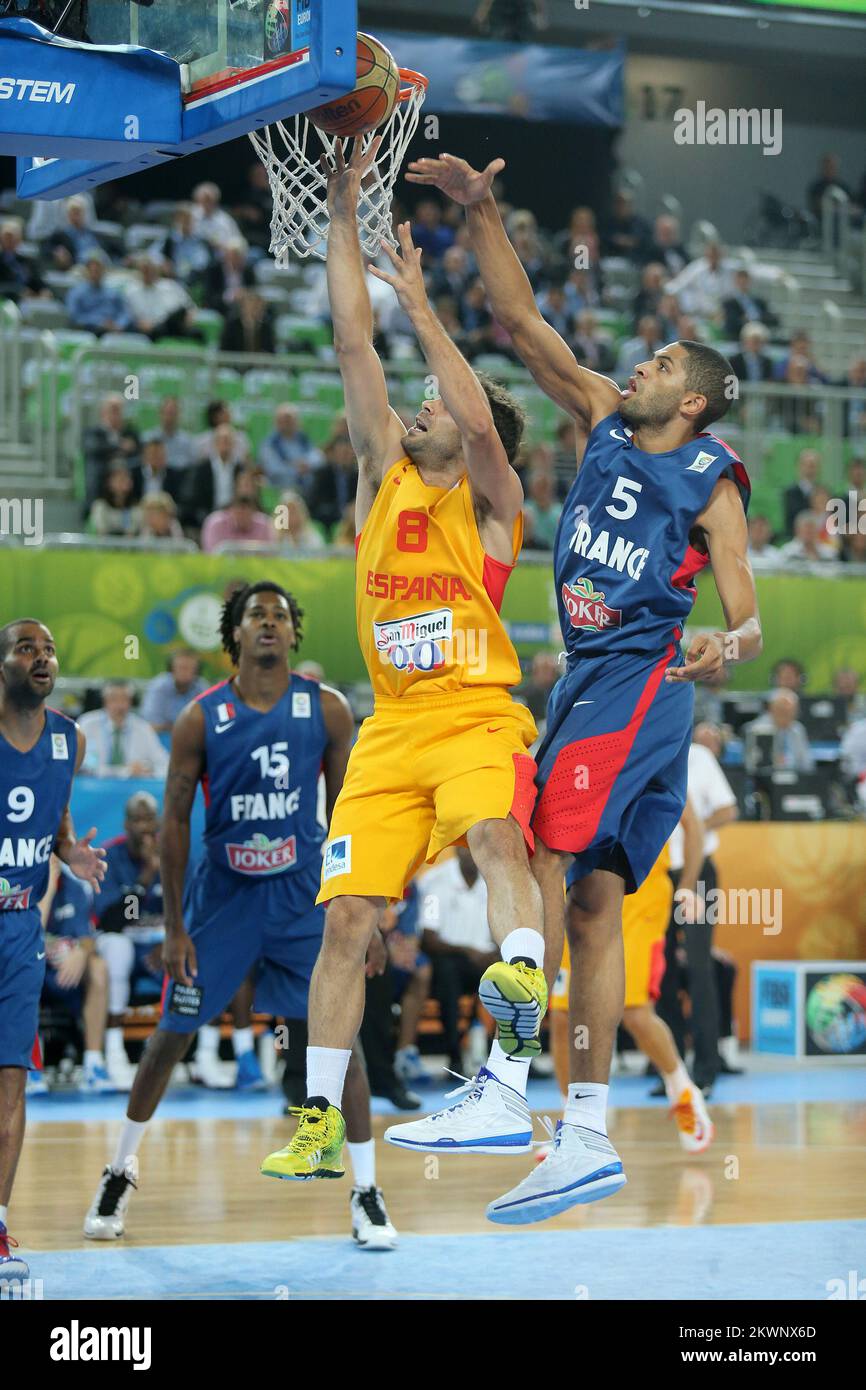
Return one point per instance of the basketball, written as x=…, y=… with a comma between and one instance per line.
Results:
x=278, y=24
x=372, y=101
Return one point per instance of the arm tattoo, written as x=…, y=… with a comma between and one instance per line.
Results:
x=179, y=793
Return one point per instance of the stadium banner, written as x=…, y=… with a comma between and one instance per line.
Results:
x=535, y=81
x=122, y=614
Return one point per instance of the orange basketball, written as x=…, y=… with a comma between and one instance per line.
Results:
x=372, y=101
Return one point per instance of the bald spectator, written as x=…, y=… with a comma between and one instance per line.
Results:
x=119, y=742
x=788, y=740
x=167, y=694
x=807, y=545
x=752, y=362
x=95, y=306
x=242, y=520
x=210, y=221
x=288, y=455
x=798, y=497
x=73, y=241
x=159, y=306
x=665, y=245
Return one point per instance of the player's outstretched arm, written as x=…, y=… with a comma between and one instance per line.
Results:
x=185, y=767
x=374, y=428
x=490, y=475
x=340, y=724
x=584, y=394
x=724, y=522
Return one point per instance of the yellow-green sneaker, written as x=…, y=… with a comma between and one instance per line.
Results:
x=315, y=1149
x=516, y=996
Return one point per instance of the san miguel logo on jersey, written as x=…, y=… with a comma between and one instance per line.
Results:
x=587, y=609
x=225, y=716
x=414, y=644
x=13, y=899
x=262, y=856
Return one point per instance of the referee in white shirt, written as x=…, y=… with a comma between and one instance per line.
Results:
x=714, y=801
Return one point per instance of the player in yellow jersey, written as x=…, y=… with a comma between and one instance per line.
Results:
x=444, y=758
x=645, y=918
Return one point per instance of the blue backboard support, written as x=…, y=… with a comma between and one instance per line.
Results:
x=80, y=115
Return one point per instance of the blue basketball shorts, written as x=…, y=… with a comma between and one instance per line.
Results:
x=613, y=764
x=239, y=925
x=22, y=971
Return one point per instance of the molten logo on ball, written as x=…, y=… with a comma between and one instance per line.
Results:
x=278, y=25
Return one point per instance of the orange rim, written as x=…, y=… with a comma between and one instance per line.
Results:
x=414, y=79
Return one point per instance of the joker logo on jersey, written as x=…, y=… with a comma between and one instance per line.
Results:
x=586, y=607
x=262, y=856
x=13, y=899
x=415, y=643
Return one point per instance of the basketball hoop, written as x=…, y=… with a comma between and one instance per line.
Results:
x=290, y=151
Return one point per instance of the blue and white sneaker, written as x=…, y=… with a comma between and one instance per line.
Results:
x=11, y=1266
x=96, y=1081
x=410, y=1068
x=492, y=1118
x=249, y=1077
x=582, y=1166
x=36, y=1085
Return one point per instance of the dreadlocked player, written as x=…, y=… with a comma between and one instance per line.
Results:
x=257, y=743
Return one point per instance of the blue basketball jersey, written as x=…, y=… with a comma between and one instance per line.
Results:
x=34, y=793
x=261, y=780
x=623, y=564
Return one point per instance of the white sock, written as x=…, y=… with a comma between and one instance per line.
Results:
x=208, y=1042
x=114, y=1047
x=587, y=1105
x=512, y=1071
x=131, y=1135
x=524, y=942
x=676, y=1082
x=363, y=1160
x=4, y=1212
x=244, y=1040
x=326, y=1072
x=93, y=1057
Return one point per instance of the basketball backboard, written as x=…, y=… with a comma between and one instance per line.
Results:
x=144, y=81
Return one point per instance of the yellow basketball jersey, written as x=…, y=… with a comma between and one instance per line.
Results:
x=427, y=596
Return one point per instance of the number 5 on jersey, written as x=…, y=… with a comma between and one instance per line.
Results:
x=622, y=491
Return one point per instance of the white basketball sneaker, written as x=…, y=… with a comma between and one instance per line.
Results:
x=371, y=1228
x=693, y=1121
x=492, y=1118
x=105, y=1219
x=582, y=1166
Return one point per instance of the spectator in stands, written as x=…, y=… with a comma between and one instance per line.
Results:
x=853, y=757
x=95, y=306
x=113, y=437
x=665, y=245
x=453, y=273
x=534, y=692
x=523, y=233
x=166, y=695
x=159, y=518
x=131, y=923
x=541, y=510
x=800, y=355
x=789, y=747
x=581, y=291
x=74, y=241
x=155, y=474
x=429, y=233
x=159, y=306
x=798, y=497
x=115, y=512
x=477, y=321
x=219, y=413
x=119, y=742
x=334, y=484
x=640, y=348
x=253, y=213
x=807, y=544
x=854, y=425
x=820, y=505
x=75, y=976
x=249, y=326
x=565, y=450
x=626, y=234
x=744, y=306
x=788, y=674
x=752, y=363
x=288, y=456
x=242, y=520
x=179, y=445
x=828, y=177
x=343, y=534
x=209, y=485
x=580, y=245
x=652, y=290
x=19, y=277
x=209, y=220
x=228, y=276
x=183, y=248
x=762, y=553
x=846, y=682
x=589, y=346
x=448, y=314
x=705, y=284
x=293, y=529
x=553, y=307
x=709, y=708
x=799, y=412
x=456, y=937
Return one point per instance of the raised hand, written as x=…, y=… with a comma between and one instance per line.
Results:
x=407, y=280
x=455, y=177
x=87, y=863
x=344, y=180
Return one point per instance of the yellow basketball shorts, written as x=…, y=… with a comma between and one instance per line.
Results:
x=645, y=917
x=423, y=771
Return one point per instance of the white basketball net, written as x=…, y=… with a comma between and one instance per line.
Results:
x=290, y=151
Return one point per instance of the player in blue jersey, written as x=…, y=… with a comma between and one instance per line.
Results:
x=257, y=744
x=40, y=752
x=656, y=498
